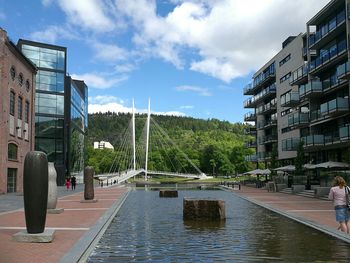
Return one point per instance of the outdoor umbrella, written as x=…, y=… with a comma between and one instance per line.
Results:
x=309, y=166
x=332, y=164
x=256, y=171
x=288, y=168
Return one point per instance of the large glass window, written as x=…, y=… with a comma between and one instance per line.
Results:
x=49, y=127
x=76, y=151
x=45, y=57
x=52, y=147
x=12, y=151
x=50, y=81
x=49, y=103
x=12, y=103
x=20, y=108
x=11, y=180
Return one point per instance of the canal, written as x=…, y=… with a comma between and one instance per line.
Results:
x=149, y=228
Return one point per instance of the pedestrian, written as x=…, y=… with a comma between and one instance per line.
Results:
x=338, y=195
x=73, y=181
x=67, y=183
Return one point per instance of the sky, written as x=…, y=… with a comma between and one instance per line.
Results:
x=191, y=58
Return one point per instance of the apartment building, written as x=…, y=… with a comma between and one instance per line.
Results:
x=17, y=91
x=271, y=101
x=308, y=80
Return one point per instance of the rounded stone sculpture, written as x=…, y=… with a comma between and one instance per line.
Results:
x=89, y=183
x=52, y=192
x=35, y=189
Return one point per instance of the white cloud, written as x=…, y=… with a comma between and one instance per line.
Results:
x=108, y=103
x=124, y=68
x=108, y=52
x=230, y=37
x=100, y=81
x=52, y=33
x=88, y=14
x=199, y=90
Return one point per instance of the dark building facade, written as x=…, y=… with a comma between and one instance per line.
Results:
x=55, y=102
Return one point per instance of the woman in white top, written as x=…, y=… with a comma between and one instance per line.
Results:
x=338, y=195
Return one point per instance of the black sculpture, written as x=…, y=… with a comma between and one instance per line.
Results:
x=35, y=190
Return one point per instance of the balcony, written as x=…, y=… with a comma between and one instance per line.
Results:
x=344, y=133
x=290, y=144
x=248, y=89
x=264, y=94
x=250, y=131
x=298, y=120
x=251, y=144
x=290, y=99
x=268, y=139
x=250, y=116
x=335, y=107
x=267, y=108
x=329, y=57
x=264, y=78
x=311, y=89
x=313, y=141
x=299, y=76
x=343, y=71
x=328, y=30
x=331, y=138
x=251, y=158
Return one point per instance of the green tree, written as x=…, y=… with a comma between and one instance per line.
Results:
x=300, y=159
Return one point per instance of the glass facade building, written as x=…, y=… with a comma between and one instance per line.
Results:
x=60, y=107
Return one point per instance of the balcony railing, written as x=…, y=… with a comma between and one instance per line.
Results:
x=248, y=89
x=313, y=140
x=312, y=88
x=327, y=28
x=290, y=99
x=251, y=144
x=264, y=77
x=290, y=144
x=328, y=55
x=299, y=74
x=343, y=71
x=271, y=106
x=250, y=131
x=331, y=138
x=251, y=102
x=250, y=116
x=251, y=158
x=298, y=119
x=335, y=106
x=344, y=133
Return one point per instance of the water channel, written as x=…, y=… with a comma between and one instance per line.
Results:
x=149, y=228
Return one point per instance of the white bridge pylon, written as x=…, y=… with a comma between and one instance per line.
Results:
x=117, y=177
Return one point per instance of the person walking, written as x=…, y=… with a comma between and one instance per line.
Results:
x=67, y=183
x=338, y=195
x=73, y=181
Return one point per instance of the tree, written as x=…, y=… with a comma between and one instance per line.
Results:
x=300, y=159
x=273, y=162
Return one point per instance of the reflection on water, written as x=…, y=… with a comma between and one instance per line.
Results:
x=149, y=228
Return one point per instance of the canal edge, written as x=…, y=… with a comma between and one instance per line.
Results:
x=87, y=242
x=327, y=230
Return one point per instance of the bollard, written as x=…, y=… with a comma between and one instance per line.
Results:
x=35, y=190
x=89, y=183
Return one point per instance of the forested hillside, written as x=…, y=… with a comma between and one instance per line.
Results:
x=216, y=147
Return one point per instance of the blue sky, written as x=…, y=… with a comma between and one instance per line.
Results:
x=192, y=57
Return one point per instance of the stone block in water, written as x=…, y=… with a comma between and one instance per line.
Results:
x=168, y=193
x=203, y=209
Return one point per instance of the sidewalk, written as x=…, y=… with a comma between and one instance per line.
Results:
x=76, y=228
x=313, y=212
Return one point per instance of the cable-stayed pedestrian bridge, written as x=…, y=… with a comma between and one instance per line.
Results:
x=134, y=158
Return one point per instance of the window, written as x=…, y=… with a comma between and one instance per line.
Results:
x=12, y=103
x=285, y=77
x=12, y=151
x=283, y=61
x=20, y=108
x=26, y=112
x=27, y=85
x=13, y=73
x=20, y=79
x=285, y=112
x=11, y=180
